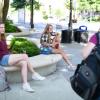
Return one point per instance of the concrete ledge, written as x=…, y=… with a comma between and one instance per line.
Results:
x=34, y=40
x=23, y=33
x=43, y=64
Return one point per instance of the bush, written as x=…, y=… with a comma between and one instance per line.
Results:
x=21, y=45
x=96, y=18
x=10, y=27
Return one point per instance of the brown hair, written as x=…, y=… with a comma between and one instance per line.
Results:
x=46, y=30
x=2, y=34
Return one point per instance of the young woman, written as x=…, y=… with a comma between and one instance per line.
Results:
x=20, y=60
x=87, y=51
x=90, y=46
x=52, y=40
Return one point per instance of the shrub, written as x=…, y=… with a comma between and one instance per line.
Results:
x=21, y=45
x=10, y=27
x=96, y=18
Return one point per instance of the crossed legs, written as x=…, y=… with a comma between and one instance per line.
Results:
x=22, y=61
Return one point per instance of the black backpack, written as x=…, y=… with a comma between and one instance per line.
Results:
x=85, y=81
x=97, y=54
x=3, y=80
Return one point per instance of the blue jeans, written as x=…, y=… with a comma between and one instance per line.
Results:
x=4, y=60
x=45, y=50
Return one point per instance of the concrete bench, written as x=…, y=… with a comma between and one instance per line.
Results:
x=43, y=64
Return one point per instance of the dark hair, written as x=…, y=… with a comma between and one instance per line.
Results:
x=2, y=35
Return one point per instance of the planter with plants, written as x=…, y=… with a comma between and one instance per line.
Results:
x=22, y=45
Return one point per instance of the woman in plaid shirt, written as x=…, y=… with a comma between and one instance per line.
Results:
x=52, y=41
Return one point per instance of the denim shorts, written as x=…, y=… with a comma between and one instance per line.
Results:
x=46, y=50
x=4, y=60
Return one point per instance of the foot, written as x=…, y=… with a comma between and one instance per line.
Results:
x=26, y=87
x=71, y=67
x=64, y=70
x=37, y=76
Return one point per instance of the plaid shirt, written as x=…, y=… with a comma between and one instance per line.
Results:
x=45, y=38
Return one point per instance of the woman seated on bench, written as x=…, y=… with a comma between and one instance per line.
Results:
x=51, y=40
x=21, y=60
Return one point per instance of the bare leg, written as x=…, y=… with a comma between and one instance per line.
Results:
x=35, y=75
x=21, y=60
x=15, y=58
x=65, y=57
x=23, y=65
x=30, y=67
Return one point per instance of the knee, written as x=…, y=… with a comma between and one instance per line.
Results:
x=59, y=50
x=23, y=63
x=25, y=56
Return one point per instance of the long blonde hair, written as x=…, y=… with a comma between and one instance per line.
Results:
x=46, y=30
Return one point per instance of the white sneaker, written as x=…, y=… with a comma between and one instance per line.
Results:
x=26, y=87
x=37, y=77
x=71, y=68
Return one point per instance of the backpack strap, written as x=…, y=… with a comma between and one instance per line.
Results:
x=98, y=38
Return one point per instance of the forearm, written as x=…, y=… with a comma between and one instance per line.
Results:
x=68, y=62
x=87, y=50
x=45, y=44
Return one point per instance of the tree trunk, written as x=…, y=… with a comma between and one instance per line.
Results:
x=70, y=16
x=32, y=13
x=5, y=10
x=1, y=9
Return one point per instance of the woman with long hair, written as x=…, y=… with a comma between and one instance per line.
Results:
x=20, y=60
x=52, y=40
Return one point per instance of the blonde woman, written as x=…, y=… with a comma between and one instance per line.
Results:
x=20, y=60
x=52, y=40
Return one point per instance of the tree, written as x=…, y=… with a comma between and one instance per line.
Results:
x=4, y=9
x=58, y=13
x=97, y=5
x=69, y=5
x=89, y=6
x=34, y=5
x=70, y=16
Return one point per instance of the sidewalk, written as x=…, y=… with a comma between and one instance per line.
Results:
x=56, y=86
x=91, y=26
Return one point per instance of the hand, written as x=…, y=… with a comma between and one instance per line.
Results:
x=45, y=44
x=71, y=67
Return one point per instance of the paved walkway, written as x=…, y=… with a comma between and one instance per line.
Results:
x=56, y=86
